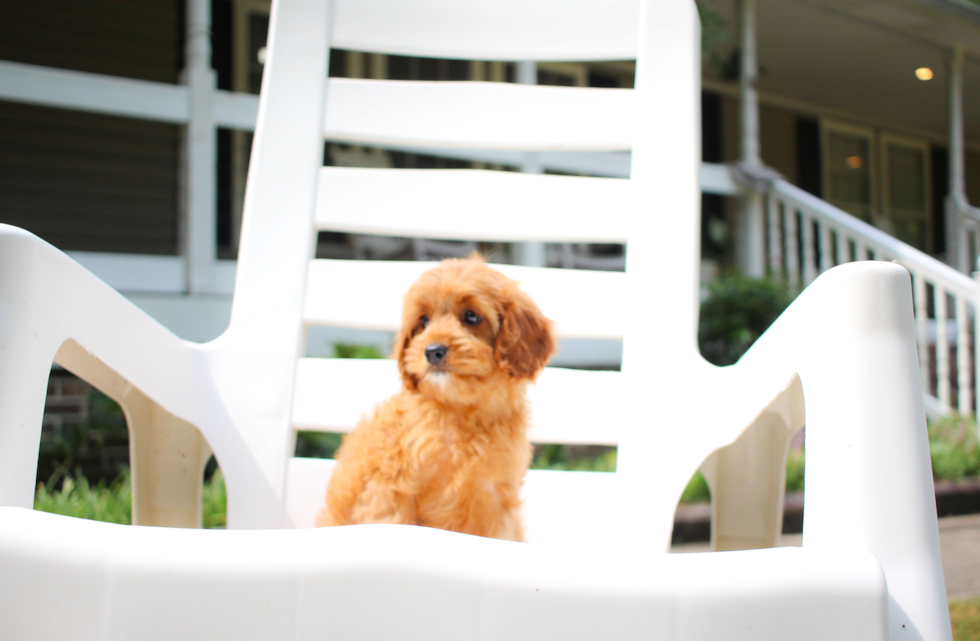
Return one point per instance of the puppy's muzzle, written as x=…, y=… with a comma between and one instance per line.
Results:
x=436, y=353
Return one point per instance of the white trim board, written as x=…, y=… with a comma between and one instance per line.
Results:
x=81, y=91
x=144, y=273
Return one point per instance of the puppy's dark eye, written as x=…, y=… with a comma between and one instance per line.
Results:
x=424, y=321
x=471, y=318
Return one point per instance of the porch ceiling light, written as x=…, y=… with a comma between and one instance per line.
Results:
x=923, y=73
x=854, y=162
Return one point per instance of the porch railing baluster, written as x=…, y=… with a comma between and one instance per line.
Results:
x=792, y=246
x=921, y=304
x=826, y=254
x=964, y=401
x=773, y=205
x=809, y=261
x=942, y=346
x=860, y=250
x=843, y=247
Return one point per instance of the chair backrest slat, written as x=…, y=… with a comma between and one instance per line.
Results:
x=490, y=29
x=563, y=403
x=479, y=115
x=508, y=207
x=368, y=294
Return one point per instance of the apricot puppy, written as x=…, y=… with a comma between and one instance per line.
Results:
x=450, y=449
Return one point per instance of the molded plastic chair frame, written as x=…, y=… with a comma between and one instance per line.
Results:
x=869, y=486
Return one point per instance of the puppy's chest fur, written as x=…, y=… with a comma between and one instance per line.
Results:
x=455, y=469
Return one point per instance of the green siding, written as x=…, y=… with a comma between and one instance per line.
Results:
x=114, y=37
x=87, y=181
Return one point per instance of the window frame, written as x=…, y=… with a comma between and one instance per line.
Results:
x=829, y=127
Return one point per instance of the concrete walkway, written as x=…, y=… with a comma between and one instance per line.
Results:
x=959, y=539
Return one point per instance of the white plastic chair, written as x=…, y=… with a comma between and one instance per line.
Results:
x=870, y=566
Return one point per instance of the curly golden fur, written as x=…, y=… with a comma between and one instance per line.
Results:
x=450, y=449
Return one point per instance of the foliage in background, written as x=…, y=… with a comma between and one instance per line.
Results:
x=318, y=444
x=795, y=467
x=577, y=458
x=954, y=448
x=214, y=502
x=75, y=444
x=714, y=32
x=737, y=310
x=697, y=490
x=965, y=617
x=346, y=350
x=112, y=502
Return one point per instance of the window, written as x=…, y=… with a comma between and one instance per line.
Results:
x=848, y=169
x=906, y=196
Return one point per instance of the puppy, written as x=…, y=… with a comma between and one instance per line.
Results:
x=450, y=449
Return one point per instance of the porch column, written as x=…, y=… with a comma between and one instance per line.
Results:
x=956, y=202
x=750, y=230
x=530, y=254
x=199, y=172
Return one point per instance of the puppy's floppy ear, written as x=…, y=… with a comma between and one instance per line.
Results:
x=524, y=343
x=402, y=339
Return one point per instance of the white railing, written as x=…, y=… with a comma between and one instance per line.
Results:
x=807, y=236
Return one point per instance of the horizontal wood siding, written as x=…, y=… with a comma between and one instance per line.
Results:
x=972, y=178
x=132, y=39
x=777, y=141
x=89, y=182
x=86, y=181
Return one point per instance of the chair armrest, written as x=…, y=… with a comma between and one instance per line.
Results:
x=52, y=309
x=850, y=337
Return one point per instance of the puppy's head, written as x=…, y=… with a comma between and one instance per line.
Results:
x=466, y=326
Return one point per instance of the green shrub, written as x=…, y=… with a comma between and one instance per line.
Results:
x=345, y=350
x=795, y=467
x=736, y=312
x=576, y=458
x=318, y=444
x=697, y=490
x=954, y=448
x=214, y=502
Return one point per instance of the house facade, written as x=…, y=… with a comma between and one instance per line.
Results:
x=125, y=130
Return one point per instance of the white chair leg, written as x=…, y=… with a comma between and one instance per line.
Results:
x=747, y=485
x=167, y=454
x=748, y=477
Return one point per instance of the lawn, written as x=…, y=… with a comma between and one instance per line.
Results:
x=965, y=616
x=112, y=502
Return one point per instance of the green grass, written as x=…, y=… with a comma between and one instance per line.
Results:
x=112, y=502
x=965, y=617
x=574, y=458
x=954, y=448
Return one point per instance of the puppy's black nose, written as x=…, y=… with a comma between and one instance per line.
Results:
x=436, y=354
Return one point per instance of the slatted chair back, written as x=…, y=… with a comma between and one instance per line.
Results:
x=652, y=307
